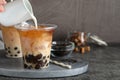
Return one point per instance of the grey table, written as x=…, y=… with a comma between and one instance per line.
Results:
x=104, y=64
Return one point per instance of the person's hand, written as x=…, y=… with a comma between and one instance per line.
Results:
x=2, y=3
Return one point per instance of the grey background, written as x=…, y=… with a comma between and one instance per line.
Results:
x=101, y=17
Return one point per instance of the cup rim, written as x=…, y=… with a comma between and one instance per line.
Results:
x=32, y=27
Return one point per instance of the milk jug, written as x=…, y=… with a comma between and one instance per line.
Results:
x=16, y=12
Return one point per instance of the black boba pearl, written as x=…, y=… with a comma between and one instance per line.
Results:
x=40, y=62
x=8, y=47
x=48, y=56
x=11, y=55
x=37, y=66
x=43, y=64
x=16, y=55
x=29, y=67
x=9, y=51
x=29, y=58
x=44, y=57
x=47, y=64
x=18, y=52
x=15, y=48
x=45, y=61
x=25, y=65
x=39, y=56
x=34, y=61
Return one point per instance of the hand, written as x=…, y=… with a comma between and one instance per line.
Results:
x=2, y=3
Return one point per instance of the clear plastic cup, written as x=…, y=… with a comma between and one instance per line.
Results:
x=36, y=45
x=11, y=42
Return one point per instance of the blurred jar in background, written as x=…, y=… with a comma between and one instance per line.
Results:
x=80, y=41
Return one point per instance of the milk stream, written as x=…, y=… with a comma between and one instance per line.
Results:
x=35, y=21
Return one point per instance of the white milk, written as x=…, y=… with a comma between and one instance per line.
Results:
x=35, y=21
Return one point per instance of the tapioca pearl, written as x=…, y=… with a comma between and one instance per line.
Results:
x=37, y=66
x=25, y=65
x=15, y=48
x=47, y=64
x=29, y=58
x=45, y=61
x=18, y=52
x=34, y=61
x=9, y=51
x=15, y=55
x=44, y=57
x=30, y=67
x=48, y=56
x=8, y=47
x=39, y=56
x=41, y=63
x=11, y=55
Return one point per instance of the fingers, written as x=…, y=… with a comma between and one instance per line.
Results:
x=2, y=2
x=1, y=8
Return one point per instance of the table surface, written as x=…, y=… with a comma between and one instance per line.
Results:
x=104, y=64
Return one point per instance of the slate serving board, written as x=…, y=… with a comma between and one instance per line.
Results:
x=14, y=68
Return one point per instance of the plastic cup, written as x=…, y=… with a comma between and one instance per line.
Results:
x=36, y=45
x=11, y=42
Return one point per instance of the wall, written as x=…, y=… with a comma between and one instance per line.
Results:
x=101, y=17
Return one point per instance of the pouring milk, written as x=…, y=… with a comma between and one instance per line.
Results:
x=12, y=16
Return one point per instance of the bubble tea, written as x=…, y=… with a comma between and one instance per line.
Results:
x=11, y=42
x=36, y=45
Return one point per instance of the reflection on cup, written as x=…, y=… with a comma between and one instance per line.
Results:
x=11, y=42
x=36, y=45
